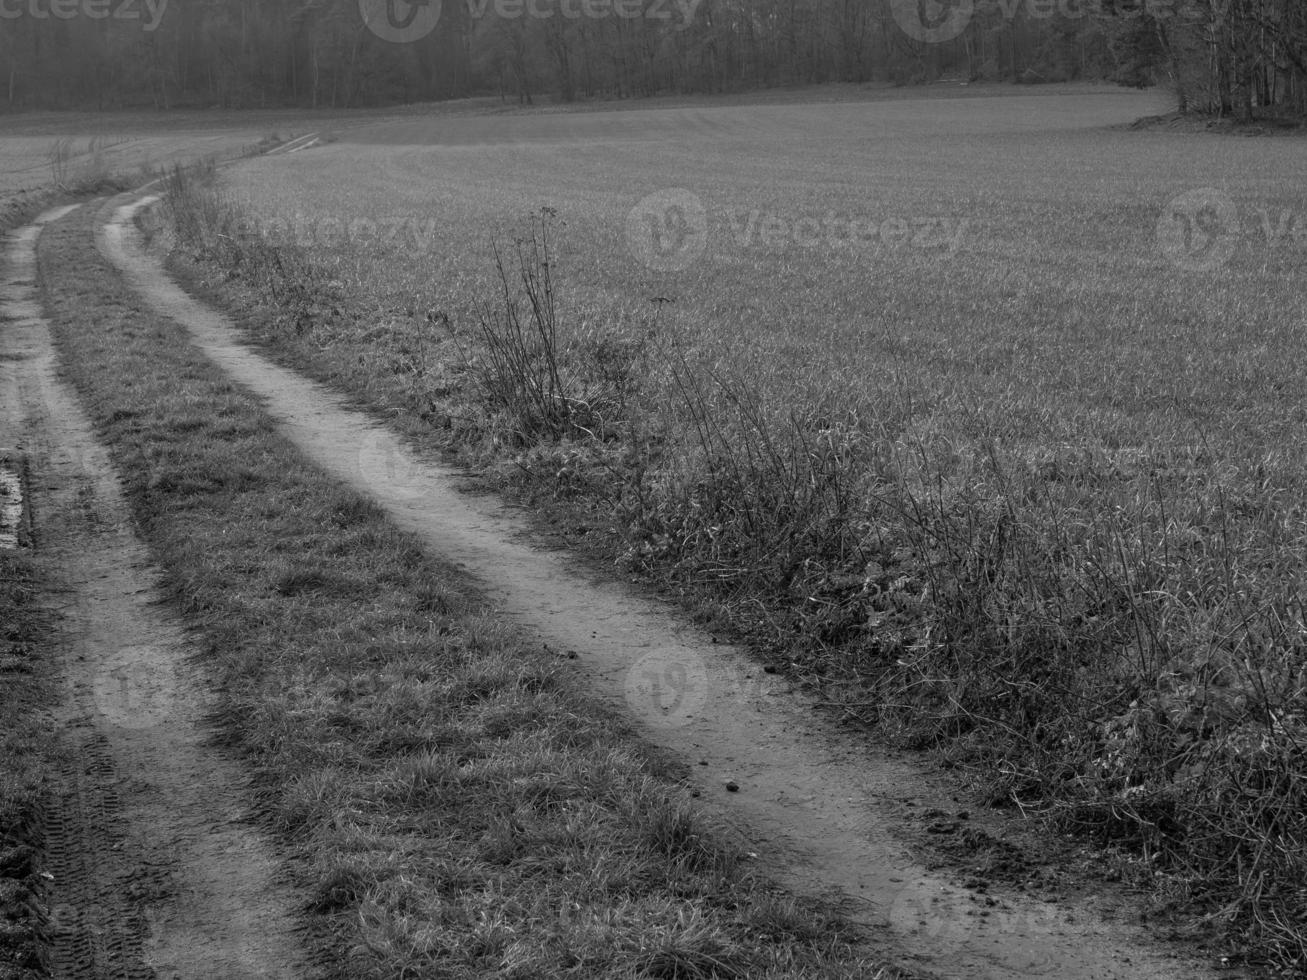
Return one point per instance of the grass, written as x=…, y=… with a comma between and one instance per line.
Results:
x=1033, y=499
x=455, y=807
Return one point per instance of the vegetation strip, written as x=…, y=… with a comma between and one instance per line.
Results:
x=457, y=809
x=1103, y=623
x=821, y=821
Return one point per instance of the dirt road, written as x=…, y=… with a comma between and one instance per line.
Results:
x=818, y=810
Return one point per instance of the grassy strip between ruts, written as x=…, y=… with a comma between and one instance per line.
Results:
x=457, y=808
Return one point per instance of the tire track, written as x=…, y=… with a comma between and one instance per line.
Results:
x=153, y=869
x=92, y=931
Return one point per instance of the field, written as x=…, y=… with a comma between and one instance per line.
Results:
x=980, y=409
x=1020, y=274
x=75, y=150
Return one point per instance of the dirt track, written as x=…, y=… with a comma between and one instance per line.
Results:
x=156, y=872
x=819, y=811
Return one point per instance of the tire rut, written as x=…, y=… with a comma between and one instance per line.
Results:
x=820, y=809
x=153, y=869
x=93, y=931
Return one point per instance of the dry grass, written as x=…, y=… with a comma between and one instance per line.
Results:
x=1035, y=501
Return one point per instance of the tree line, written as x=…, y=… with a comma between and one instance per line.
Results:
x=1243, y=58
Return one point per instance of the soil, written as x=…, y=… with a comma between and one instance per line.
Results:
x=152, y=864
x=824, y=813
